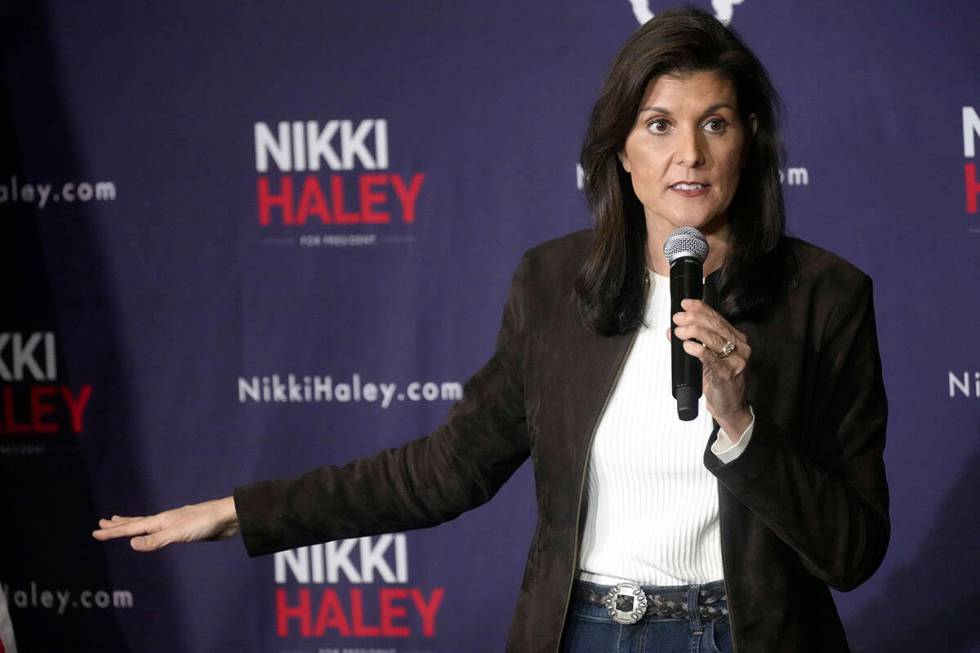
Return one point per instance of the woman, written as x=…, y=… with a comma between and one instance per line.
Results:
x=731, y=527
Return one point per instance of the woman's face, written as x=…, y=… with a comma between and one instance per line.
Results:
x=685, y=152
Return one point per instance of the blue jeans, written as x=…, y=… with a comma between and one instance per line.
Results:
x=590, y=629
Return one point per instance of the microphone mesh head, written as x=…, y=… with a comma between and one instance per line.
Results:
x=686, y=242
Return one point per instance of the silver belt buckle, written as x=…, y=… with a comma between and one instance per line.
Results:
x=625, y=602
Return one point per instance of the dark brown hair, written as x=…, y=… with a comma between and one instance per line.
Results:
x=610, y=287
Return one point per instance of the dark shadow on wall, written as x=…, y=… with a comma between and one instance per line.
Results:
x=929, y=604
x=52, y=280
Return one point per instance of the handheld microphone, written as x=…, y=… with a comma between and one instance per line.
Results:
x=685, y=249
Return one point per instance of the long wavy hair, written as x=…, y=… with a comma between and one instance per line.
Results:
x=611, y=286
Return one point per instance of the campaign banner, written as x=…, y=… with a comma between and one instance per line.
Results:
x=240, y=242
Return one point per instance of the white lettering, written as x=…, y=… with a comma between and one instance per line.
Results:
x=248, y=389
x=798, y=176
x=401, y=557
x=316, y=559
x=297, y=561
x=295, y=389
x=452, y=391
x=267, y=145
x=352, y=144
x=971, y=131
x=335, y=561
x=337, y=558
x=278, y=389
x=299, y=147
x=63, y=597
x=342, y=392
x=373, y=559
x=105, y=190
x=370, y=392
x=381, y=144
x=388, y=393
x=122, y=599
x=322, y=388
x=318, y=145
x=43, y=190
x=963, y=387
x=22, y=356
x=4, y=370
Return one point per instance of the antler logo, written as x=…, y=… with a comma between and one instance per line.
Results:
x=723, y=9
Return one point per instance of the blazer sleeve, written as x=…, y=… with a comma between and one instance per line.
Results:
x=832, y=513
x=430, y=480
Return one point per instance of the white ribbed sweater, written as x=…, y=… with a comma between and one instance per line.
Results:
x=652, y=505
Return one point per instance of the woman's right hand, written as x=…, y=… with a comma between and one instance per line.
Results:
x=210, y=520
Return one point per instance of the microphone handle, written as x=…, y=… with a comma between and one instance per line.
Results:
x=686, y=282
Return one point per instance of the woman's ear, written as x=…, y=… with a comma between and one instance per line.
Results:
x=625, y=161
x=753, y=123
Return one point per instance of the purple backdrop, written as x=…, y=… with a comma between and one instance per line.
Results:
x=197, y=202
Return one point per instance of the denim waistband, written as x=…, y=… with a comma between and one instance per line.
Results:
x=695, y=602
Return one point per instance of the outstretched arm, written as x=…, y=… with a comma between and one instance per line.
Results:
x=211, y=520
x=430, y=480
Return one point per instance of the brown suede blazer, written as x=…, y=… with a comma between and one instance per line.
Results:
x=804, y=508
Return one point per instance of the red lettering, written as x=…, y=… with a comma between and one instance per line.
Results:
x=10, y=424
x=267, y=200
x=40, y=408
x=972, y=187
x=407, y=196
x=428, y=610
x=285, y=612
x=357, y=616
x=337, y=191
x=76, y=406
x=331, y=615
x=370, y=198
x=312, y=201
x=390, y=612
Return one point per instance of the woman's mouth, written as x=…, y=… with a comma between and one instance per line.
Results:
x=690, y=189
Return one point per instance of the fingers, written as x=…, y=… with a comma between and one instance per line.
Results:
x=113, y=528
x=148, y=543
x=145, y=529
x=209, y=520
x=725, y=369
x=706, y=333
x=709, y=338
x=700, y=322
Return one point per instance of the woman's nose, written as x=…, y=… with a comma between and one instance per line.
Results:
x=690, y=149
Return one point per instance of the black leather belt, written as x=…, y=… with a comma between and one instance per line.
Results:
x=628, y=602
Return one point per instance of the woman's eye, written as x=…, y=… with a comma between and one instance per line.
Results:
x=715, y=125
x=658, y=126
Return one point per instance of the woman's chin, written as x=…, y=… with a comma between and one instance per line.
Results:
x=704, y=224
x=701, y=223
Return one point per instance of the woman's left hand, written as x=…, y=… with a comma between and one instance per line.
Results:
x=724, y=378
